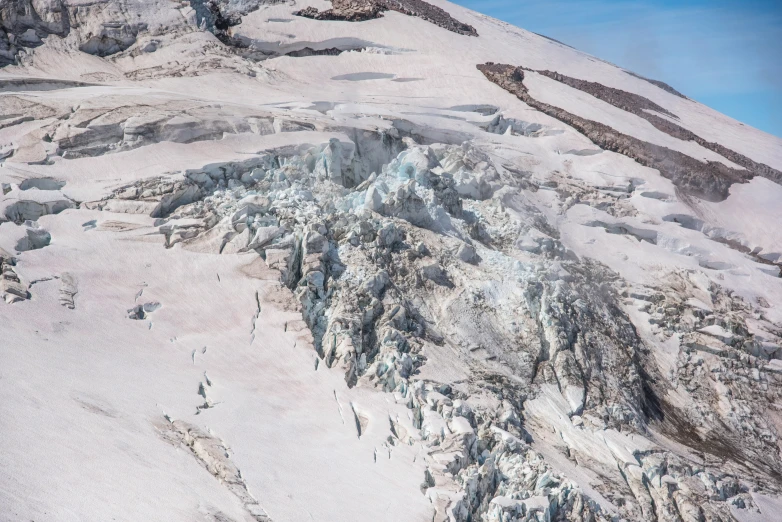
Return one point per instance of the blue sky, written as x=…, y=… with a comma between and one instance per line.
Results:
x=726, y=54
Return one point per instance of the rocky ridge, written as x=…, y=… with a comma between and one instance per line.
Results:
x=641, y=107
x=362, y=10
x=709, y=180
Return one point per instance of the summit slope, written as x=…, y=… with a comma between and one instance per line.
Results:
x=386, y=260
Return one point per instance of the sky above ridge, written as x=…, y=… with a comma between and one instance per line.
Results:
x=726, y=54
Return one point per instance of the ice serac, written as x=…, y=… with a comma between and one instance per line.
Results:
x=374, y=260
x=24, y=24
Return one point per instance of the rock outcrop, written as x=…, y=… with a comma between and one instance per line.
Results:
x=645, y=108
x=362, y=10
x=710, y=180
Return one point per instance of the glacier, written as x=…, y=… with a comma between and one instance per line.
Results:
x=388, y=260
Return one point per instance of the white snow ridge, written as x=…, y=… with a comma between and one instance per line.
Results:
x=374, y=260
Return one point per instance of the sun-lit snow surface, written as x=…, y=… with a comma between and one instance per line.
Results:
x=120, y=340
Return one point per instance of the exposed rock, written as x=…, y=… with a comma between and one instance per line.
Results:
x=662, y=85
x=640, y=106
x=362, y=10
x=710, y=180
x=618, y=98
